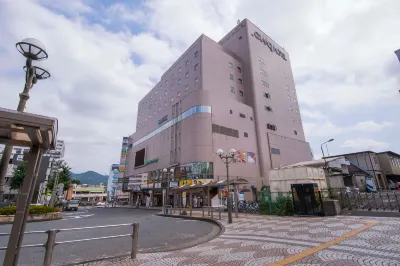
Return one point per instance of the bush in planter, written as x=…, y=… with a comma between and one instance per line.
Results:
x=263, y=207
x=9, y=210
x=33, y=210
x=284, y=206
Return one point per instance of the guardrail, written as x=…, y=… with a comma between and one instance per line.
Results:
x=210, y=211
x=51, y=239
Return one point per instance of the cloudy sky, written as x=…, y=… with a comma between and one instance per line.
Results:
x=104, y=56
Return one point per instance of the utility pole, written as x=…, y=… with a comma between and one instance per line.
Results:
x=53, y=193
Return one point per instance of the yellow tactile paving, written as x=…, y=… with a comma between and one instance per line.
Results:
x=308, y=252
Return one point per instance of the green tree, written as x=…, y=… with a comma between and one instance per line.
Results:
x=18, y=176
x=64, y=177
x=75, y=181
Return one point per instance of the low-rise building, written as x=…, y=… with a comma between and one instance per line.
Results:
x=390, y=165
x=89, y=193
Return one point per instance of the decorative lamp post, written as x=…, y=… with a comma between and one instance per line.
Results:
x=322, y=149
x=227, y=159
x=32, y=49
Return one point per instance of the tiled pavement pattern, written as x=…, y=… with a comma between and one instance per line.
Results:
x=264, y=240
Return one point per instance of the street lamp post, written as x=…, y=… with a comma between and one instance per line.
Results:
x=227, y=159
x=32, y=49
x=167, y=189
x=322, y=149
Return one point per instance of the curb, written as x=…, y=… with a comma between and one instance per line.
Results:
x=199, y=241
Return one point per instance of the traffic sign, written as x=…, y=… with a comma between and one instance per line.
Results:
x=221, y=187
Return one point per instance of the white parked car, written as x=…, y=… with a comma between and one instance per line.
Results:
x=101, y=204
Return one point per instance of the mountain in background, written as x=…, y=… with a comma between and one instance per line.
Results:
x=90, y=178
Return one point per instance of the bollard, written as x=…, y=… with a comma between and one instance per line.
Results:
x=51, y=240
x=203, y=211
x=135, y=235
x=219, y=213
x=212, y=213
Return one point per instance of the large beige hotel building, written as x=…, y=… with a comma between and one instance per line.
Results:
x=236, y=93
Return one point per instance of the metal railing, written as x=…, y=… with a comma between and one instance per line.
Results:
x=355, y=200
x=210, y=211
x=51, y=239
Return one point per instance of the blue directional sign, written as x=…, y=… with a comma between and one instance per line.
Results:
x=221, y=187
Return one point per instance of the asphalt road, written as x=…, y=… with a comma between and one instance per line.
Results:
x=155, y=233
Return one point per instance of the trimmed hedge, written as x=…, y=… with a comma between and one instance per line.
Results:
x=33, y=210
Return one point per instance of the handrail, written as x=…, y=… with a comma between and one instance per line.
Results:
x=51, y=239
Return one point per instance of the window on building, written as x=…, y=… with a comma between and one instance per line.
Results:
x=186, y=87
x=246, y=135
x=230, y=65
x=241, y=93
x=291, y=108
x=271, y=127
x=289, y=98
x=267, y=95
x=172, y=87
x=165, y=104
x=179, y=70
x=294, y=100
x=230, y=111
x=196, y=80
x=297, y=110
x=295, y=132
x=265, y=84
x=187, y=75
x=196, y=54
x=285, y=74
x=240, y=37
x=240, y=81
x=263, y=72
x=173, y=76
x=293, y=91
x=251, y=118
x=293, y=119
x=187, y=62
x=275, y=151
x=166, y=82
x=166, y=93
x=179, y=94
x=239, y=69
x=172, y=99
x=231, y=76
x=242, y=115
x=268, y=108
x=233, y=89
x=196, y=66
x=179, y=81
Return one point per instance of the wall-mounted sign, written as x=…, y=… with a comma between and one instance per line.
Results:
x=157, y=185
x=151, y=161
x=269, y=44
x=233, y=32
x=162, y=120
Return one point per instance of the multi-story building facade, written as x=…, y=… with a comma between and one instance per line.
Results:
x=238, y=93
x=47, y=162
x=89, y=193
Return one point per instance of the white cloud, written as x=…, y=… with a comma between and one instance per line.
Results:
x=328, y=129
x=365, y=144
x=100, y=72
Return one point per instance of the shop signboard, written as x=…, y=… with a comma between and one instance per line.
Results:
x=173, y=184
x=147, y=186
x=240, y=157
x=194, y=181
x=157, y=185
x=133, y=187
x=125, y=140
x=122, y=169
x=114, y=166
x=115, y=180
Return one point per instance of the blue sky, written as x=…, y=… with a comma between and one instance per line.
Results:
x=104, y=56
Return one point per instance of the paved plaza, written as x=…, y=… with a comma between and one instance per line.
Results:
x=266, y=240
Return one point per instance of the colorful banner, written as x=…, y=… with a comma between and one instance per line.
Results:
x=251, y=157
x=240, y=157
x=122, y=169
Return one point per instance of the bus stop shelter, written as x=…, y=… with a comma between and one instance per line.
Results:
x=40, y=134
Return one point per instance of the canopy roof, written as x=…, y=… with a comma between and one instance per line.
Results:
x=25, y=129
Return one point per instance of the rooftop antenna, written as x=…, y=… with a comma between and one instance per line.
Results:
x=238, y=22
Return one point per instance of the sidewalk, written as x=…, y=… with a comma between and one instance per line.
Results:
x=269, y=240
